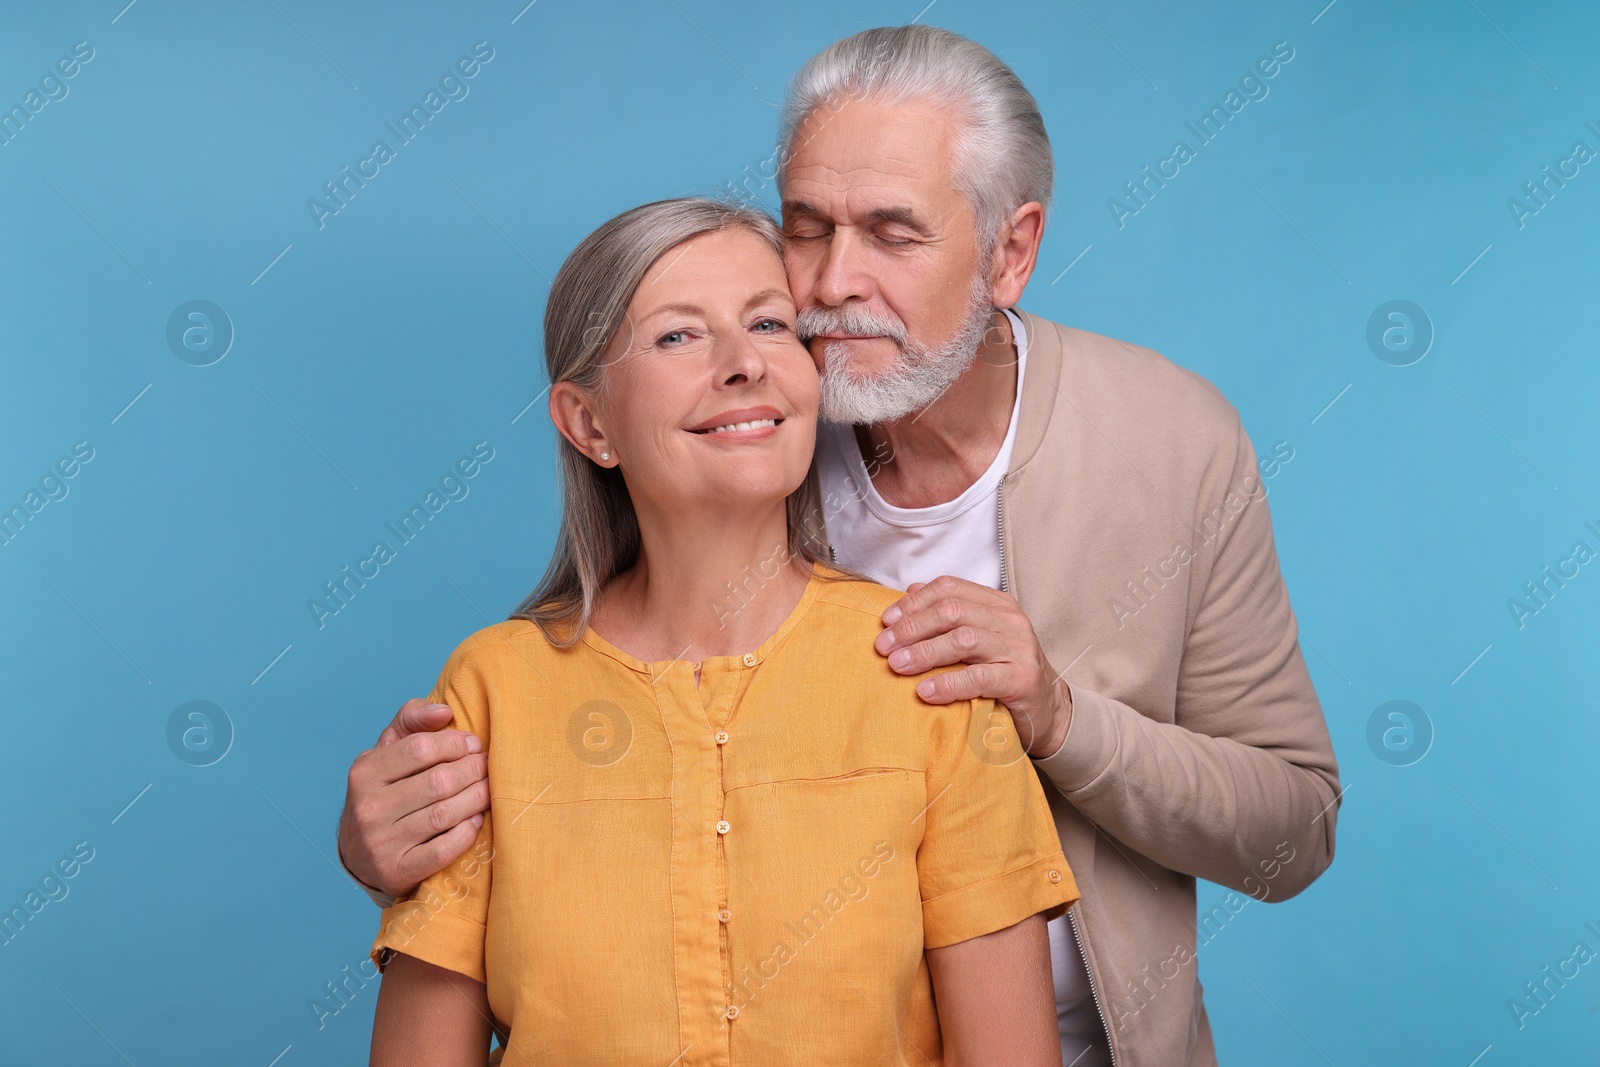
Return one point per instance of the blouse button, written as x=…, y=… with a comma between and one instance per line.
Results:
x=724, y=915
x=733, y=1011
x=1055, y=876
x=749, y=659
x=722, y=737
x=723, y=826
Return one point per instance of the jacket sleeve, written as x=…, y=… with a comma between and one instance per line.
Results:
x=1242, y=788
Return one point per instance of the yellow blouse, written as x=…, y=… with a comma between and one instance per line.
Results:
x=746, y=871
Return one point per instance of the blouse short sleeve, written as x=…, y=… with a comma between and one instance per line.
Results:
x=989, y=856
x=444, y=920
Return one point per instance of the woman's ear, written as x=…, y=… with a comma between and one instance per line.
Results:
x=573, y=410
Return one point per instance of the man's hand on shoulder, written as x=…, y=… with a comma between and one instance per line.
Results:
x=952, y=621
x=414, y=801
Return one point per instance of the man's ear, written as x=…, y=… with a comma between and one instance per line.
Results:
x=574, y=411
x=1017, y=253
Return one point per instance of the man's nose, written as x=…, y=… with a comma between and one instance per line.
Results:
x=841, y=274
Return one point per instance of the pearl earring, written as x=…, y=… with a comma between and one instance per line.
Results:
x=605, y=455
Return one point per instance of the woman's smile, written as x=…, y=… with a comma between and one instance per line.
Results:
x=740, y=425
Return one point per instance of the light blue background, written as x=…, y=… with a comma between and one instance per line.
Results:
x=378, y=349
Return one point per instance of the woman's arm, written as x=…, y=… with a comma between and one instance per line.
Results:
x=995, y=998
x=433, y=1017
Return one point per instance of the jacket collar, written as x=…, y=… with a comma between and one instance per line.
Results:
x=1040, y=387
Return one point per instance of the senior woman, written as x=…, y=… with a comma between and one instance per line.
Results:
x=721, y=829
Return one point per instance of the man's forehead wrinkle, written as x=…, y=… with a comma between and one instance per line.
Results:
x=884, y=157
x=862, y=193
x=890, y=171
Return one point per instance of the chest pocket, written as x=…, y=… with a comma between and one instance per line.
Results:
x=827, y=826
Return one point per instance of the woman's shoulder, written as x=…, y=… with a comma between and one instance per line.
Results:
x=507, y=664
x=514, y=641
x=845, y=619
x=860, y=601
x=837, y=654
x=520, y=632
x=849, y=622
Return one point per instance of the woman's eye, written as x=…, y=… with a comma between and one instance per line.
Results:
x=675, y=337
x=771, y=325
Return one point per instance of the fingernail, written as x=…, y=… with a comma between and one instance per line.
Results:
x=474, y=743
x=925, y=689
x=884, y=641
x=477, y=820
x=891, y=616
x=899, y=657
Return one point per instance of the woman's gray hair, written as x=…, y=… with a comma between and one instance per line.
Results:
x=1002, y=153
x=587, y=307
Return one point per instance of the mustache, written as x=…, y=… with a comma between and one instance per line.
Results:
x=862, y=321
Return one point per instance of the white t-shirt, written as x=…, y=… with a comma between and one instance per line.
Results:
x=961, y=537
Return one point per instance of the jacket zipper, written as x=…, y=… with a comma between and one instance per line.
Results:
x=1094, y=993
x=1000, y=520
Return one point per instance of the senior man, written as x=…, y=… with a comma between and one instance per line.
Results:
x=1078, y=522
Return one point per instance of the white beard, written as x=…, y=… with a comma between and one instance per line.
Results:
x=919, y=376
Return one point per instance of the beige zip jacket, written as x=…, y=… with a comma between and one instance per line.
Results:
x=1135, y=534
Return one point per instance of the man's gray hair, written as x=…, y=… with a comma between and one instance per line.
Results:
x=1002, y=153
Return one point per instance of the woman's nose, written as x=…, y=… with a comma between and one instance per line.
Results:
x=739, y=360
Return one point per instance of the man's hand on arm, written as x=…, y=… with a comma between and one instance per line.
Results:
x=414, y=801
x=952, y=621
